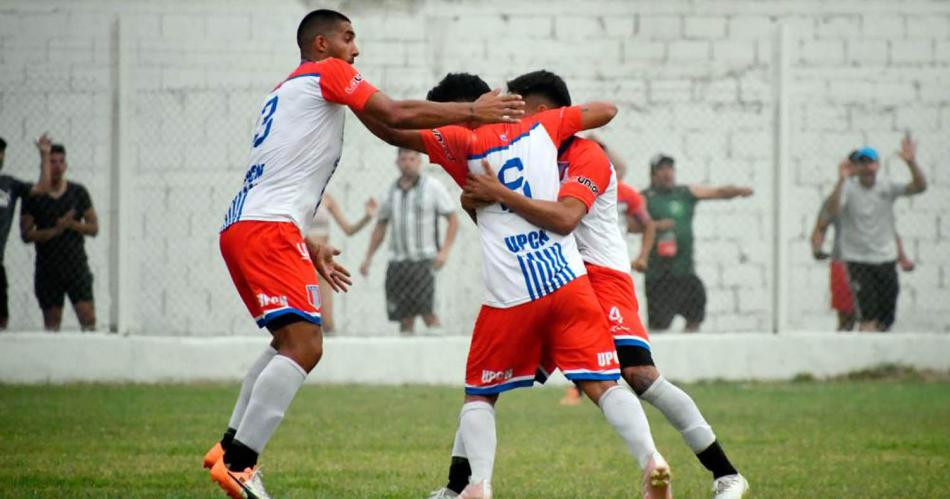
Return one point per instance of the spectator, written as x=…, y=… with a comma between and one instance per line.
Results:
x=320, y=232
x=672, y=286
x=11, y=190
x=842, y=299
x=865, y=208
x=57, y=222
x=413, y=207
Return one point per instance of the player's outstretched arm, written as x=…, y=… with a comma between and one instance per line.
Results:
x=491, y=107
x=596, y=114
x=560, y=216
x=407, y=139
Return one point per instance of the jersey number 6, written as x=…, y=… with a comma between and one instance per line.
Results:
x=268, y=116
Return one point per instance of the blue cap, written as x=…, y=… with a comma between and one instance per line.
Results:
x=865, y=154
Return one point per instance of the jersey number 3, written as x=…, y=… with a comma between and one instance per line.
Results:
x=267, y=119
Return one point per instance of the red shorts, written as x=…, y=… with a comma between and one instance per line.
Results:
x=618, y=300
x=565, y=329
x=271, y=268
x=841, y=298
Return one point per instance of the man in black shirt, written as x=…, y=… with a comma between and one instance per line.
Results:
x=57, y=221
x=12, y=190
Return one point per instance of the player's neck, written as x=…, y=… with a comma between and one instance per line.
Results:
x=313, y=58
x=57, y=188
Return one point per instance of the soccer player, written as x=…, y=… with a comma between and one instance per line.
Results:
x=294, y=152
x=587, y=205
x=539, y=308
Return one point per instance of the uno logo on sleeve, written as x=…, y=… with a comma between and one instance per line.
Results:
x=586, y=182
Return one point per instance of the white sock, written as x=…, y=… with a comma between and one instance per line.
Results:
x=477, y=429
x=458, y=448
x=681, y=412
x=625, y=414
x=241, y=405
x=271, y=396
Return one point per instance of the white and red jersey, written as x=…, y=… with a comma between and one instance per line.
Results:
x=588, y=176
x=630, y=203
x=521, y=261
x=297, y=143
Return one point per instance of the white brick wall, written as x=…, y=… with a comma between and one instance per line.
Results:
x=693, y=79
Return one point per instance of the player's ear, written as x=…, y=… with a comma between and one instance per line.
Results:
x=320, y=43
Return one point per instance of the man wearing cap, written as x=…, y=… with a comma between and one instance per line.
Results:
x=672, y=286
x=865, y=208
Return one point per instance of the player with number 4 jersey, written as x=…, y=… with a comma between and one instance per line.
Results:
x=587, y=207
x=294, y=151
x=539, y=306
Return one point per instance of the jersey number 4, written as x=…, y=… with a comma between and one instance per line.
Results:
x=263, y=130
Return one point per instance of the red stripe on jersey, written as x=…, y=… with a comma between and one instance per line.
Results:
x=340, y=82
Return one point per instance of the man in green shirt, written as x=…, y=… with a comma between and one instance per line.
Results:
x=672, y=286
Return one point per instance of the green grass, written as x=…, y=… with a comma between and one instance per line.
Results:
x=844, y=438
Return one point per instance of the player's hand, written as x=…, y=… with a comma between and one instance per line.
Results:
x=471, y=203
x=746, y=192
x=439, y=261
x=908, y=150
x=364, y=268
x=492, y=107
x=332, y=272
x=817, y=241
x=371, y=207
x=845, y=169
x=640, y=264
x=484, y=186
x=44, y=144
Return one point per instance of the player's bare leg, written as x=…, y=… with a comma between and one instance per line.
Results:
x=407, y=325
x=299, y=347
x=681, y=411
x=692, y=327
x=86, y=313
x=52, y=318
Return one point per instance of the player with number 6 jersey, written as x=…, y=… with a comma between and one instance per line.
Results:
x=294, y=151
x=587, y=207
x=539, y=304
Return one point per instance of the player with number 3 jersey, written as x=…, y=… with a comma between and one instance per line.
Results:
x=294, y=151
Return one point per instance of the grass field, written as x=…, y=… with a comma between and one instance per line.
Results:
x=814, y=440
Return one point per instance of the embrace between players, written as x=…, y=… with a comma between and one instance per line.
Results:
x=558, y=292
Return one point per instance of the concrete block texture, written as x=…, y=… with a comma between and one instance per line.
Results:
x=696, y=80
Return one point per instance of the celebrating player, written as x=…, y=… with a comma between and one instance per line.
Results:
x=295, y=150
x=539, y=308
x=587, y=205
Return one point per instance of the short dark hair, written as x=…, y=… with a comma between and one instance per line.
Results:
x=57, y=149
x=659, y=161
x=458, y=87
x=3, y=144
x=543, y=83
x=318, y=22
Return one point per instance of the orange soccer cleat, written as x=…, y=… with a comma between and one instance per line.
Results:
x=213, y=455
x=247, y=484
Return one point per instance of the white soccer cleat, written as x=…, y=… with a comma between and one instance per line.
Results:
x=443, y=493
x=657, y=478
x=480, y=490
x=730, y=487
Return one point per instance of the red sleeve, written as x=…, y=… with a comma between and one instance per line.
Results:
x=343, y=84
x=588, y=172
x=561, y=123
x=448, y=146
x=637, y=207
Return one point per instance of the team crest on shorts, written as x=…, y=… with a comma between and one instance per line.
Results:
x=313, y=295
